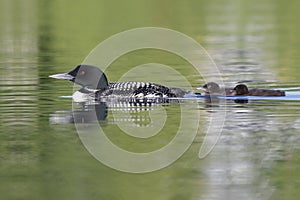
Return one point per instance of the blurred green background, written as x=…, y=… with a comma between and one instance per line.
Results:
x=249, y=40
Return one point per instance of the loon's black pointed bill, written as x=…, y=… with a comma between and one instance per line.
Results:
x=63, y=76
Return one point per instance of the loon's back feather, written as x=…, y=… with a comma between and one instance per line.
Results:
x=136, y=89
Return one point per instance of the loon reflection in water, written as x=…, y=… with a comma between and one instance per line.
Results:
x=91, y=112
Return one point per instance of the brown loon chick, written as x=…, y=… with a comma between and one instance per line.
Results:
x=242, y=90
x=212, y=88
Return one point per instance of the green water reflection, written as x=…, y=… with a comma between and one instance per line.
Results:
x=257, y=156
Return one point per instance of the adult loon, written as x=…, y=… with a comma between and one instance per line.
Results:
x=242, y=90
x=95, y=83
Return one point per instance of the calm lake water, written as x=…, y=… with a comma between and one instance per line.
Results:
x=41, y=155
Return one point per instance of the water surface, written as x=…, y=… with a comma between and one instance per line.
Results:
x=41, y=155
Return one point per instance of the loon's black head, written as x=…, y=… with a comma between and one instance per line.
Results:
x=85, y=75
x=241, y=89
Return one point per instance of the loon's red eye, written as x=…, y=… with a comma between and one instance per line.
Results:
x=81, y=73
